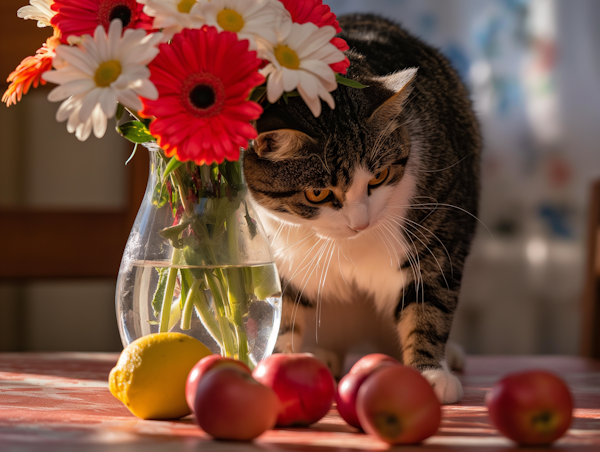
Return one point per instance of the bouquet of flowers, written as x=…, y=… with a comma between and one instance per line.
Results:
x=193, y=76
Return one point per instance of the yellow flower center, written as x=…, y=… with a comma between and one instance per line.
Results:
x=287, y=57
x=107, y=73
x=185, y=6
x=230, y=20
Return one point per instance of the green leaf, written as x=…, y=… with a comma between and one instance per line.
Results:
x=286, y=96
x=135, y=131
x=225, y=210
x=265, y=281
x=120, y=111
x=172, y=166
x=258, y=93
x=347, y=82
x=159, y=295
x=160, y=195
x=195, y=259
x=172, y=233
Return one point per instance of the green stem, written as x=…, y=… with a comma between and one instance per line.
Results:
x=188, y=307
x=236, y=290
x=165, y=312
x=237, y=301
x=208, y=320
x=222, y=314
x=200, y=302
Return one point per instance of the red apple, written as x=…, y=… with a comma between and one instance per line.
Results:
x=372, y=360
x=532, y=407
x=230, y=404
x=345, y=397
x=398, y=405
x=303, y=384
x=202, y=367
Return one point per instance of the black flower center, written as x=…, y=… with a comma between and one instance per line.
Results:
x=202, y=96
x=121, y=12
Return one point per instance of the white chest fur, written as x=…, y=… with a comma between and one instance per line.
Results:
x=326, y=269
x=368, y=265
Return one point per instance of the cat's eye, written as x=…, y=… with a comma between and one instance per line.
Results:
x=317, y=196
x=379, y=178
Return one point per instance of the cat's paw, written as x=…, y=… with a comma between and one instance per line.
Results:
x=288, y=343
x=446, y=386
x=455, y=356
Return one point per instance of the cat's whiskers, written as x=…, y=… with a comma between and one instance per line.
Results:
x=283, y=252
x=416, y=227
x=391, y=236
x=425, y=206
x=428, y=249
x=414, y=259
x=290, y=256
x=278, y=232
x=305, y=281
x=408, y=255
x=340, y=266
x=403, y=245
x=386, y=247
x=307, y=254
x=411, y=260
x=306, y=278
x=448, y=167
x=315, y=270
x=322, y=283
x=288, y=246
x=432, y=210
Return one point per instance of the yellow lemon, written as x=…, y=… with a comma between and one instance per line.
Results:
x=150, y=376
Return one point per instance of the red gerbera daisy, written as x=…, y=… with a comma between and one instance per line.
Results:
x=303, y=11
x=81, y=17
x=203, y=79
x=29, y=72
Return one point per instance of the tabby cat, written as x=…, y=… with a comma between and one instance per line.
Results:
x=374, y=202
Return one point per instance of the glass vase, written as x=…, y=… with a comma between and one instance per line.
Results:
x=198, y=262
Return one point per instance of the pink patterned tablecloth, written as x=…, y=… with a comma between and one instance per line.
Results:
x=60, y=402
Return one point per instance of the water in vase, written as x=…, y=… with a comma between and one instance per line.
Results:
x=233, y=310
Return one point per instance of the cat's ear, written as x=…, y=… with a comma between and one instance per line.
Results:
x=402, y=84
x=281, y=144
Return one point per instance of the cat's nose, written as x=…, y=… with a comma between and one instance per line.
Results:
x=359, y=227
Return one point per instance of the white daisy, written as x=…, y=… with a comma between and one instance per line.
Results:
x=39, y=10
x=99, y=72
x=301, y=61
x=262, y=22
x=172, y=16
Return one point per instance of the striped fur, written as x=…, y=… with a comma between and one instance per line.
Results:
x=400, y=245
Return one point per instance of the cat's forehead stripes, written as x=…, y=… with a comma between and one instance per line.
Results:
x=297, y=152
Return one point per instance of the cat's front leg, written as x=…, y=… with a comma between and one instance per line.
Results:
x=423, y=328
x=293, y=323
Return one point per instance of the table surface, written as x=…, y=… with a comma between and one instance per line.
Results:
x=60, y=402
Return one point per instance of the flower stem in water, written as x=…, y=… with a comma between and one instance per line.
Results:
x=165, y=312
x=222, y=317
x=237, y=301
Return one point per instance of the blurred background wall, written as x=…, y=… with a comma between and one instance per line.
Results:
x=533, y=69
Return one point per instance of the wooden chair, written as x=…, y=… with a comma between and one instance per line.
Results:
x=54, y=244
x=590, y=331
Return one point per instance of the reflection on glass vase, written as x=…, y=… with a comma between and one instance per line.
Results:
x=198, y=262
